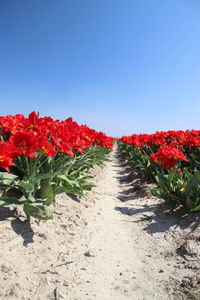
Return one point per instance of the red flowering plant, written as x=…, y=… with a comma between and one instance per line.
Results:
x=168, y=156
x=172, y=160
x=42, y=157
x=7, y=153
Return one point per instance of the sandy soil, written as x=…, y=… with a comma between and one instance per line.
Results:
x=118, y=243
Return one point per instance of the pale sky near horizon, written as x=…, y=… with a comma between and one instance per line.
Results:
x=120, y=66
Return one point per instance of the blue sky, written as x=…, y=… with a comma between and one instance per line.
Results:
x=120, y=66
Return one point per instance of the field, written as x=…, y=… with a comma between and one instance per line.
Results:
x=84, y=216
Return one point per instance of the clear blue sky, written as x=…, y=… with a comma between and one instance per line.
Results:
x=120, y=66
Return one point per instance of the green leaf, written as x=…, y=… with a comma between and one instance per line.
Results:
x=8, y=201
x=88, y=185
x=7, y=178
x=70, y=182
x=197, y=208
x=27, y=186
x=41, y=212
x=59, y=190
x=46, y=191
x=45, y=176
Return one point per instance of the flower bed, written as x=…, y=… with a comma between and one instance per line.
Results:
x=172, y=160
x=42, y=157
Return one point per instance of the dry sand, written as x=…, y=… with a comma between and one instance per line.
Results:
x=118, y=243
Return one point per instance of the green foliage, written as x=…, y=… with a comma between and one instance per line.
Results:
x=177, y=188
x=41, y=212
x=42, y=178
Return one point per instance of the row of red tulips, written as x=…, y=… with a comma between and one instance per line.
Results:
x=172, y=145
x=25, y=136
x=172, y=160
x=42, y=157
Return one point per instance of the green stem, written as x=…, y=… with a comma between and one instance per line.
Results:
x=27, y=168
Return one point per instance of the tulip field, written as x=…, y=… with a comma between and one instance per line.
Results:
x=41, y=158
x=172, y=160
x=47, y=172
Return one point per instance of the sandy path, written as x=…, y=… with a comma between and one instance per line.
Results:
x=109, y=272
x=128, y=248
x=118, y=243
